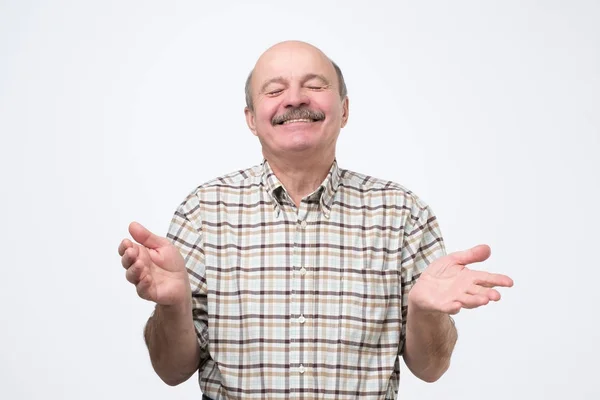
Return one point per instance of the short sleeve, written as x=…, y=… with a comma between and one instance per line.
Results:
x=422, y=244
x=185, y=232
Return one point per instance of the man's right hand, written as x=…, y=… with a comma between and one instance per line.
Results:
x=155, y=267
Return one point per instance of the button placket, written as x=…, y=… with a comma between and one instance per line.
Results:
x=297, y=306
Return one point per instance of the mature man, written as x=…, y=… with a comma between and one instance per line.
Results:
x=296, y=277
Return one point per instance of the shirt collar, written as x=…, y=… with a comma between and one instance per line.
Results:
x=326, y=190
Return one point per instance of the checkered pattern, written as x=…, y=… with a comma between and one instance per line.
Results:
x=306, y=302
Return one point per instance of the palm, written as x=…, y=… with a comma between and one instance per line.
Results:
x=166, y=273
x=447, y=285
x=155, y=266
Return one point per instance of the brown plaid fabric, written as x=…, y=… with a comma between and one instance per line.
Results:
x=305, y=302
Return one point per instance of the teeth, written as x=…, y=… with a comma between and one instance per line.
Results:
x=296, y=120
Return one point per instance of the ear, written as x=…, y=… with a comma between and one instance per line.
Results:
x=250, y=120
x=345, y=111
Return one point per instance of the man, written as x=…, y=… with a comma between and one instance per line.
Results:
x=296, y=278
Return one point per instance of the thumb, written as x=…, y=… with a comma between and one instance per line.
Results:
x=146, y=238
x=474, y=254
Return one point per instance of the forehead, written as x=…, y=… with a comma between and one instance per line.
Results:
x=292, y=63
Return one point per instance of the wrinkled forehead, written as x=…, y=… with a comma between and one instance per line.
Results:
x=292, y=63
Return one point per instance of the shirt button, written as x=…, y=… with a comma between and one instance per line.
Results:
x=301, y=319
x=303, y=224
x=301, y=369
x=302, y=271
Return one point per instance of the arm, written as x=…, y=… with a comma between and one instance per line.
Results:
x=445, y=287
x=171, y=339
x=434, y=287
x=428, y=337
x=158, y=270
x=430, y=340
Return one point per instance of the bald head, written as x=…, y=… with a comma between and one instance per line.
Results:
x=297, y=103
x=292, y=50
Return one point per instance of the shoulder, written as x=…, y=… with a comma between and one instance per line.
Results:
x=414, y=214
x=236, y=178
x=382, y=191
x=231, y=182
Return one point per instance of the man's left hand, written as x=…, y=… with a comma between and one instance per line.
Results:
x=447, y=285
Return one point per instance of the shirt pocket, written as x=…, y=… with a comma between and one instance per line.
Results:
x=370, y=307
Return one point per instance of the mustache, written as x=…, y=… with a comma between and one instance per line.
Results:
x=298, y=113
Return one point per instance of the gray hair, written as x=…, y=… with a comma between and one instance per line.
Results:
x=338, y=71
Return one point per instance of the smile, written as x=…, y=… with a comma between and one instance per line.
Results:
x=291, y=121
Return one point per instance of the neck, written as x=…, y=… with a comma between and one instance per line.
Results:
x=302, y=175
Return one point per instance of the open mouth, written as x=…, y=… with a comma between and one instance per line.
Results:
x=298, y=116
x=299, y=121
x=292, y=121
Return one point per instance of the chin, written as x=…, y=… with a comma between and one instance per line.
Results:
x=298, y=146
x=298, y=139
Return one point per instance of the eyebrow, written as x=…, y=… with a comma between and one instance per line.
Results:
x=282, y=80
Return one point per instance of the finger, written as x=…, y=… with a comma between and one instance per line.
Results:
x=488, y=279
x=146, y=238
x=130, y=256
x=475, y=254
x=473, y=301
x=135, y=273
x=124, y=245
x=490, y=293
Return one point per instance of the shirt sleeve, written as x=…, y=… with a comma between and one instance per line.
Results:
x=185, y=232
x=422, y=244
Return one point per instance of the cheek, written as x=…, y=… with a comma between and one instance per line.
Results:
x=334, y=115
x=331, y=106
x=265, y=114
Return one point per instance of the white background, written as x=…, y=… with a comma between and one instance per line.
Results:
x=113, y=111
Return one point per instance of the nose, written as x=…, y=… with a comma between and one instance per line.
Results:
x=296, y=97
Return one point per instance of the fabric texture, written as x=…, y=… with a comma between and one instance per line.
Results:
x=310, y=301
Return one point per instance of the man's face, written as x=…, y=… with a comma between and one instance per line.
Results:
x=297, y=105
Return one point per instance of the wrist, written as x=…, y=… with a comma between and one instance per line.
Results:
x=177, y=308
x=428, y=321
x=415, y=310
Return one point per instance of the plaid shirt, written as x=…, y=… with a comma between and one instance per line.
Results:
x=306, y=302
